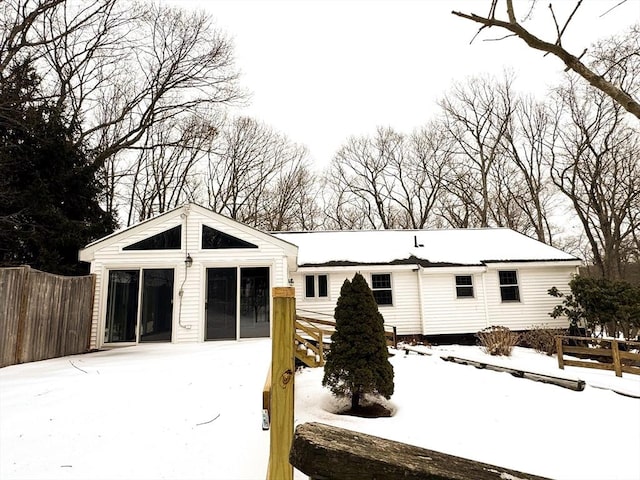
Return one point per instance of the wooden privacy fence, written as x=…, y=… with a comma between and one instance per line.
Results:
x=621, y=359
x=43, y=315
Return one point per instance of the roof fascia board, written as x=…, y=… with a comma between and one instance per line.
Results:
x=534, y=264
x=464, y=269
x=357, y=267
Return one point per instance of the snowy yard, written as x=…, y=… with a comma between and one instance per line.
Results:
x=162, y=411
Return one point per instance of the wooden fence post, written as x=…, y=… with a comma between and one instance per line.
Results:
x=22, y=316
x=559, y=353
x=282, y=383
x=615, y=353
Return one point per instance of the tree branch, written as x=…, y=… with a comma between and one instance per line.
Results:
x=571, y=61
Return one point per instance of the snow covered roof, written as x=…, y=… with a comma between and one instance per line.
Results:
x=449, y=247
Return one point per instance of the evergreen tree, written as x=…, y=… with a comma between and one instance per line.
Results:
x=358, y=362
x=48, y=190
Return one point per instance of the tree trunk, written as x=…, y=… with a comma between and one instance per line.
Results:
x=355, y=400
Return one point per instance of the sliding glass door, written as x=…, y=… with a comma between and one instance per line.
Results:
x=237, y=303
x=125, y=321
x=221, y=304
x=157, y=305
x=122, y=306
x=254, y=302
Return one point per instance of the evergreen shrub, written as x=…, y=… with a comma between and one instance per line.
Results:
x=358, y=361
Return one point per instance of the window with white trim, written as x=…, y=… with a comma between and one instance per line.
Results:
x=316, y=286
x=464, y=286
x=509, y=289
x=381, y=288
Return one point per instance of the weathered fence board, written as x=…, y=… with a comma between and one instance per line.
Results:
x=43, y=315
x=12, y=284
x=331, y=453
x=621, y=360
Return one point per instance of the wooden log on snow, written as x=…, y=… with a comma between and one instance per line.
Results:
x=330, y=453
x=576, y=385
x=408, y=350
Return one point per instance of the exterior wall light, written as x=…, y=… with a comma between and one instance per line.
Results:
x=188, y=261
x=291, y=282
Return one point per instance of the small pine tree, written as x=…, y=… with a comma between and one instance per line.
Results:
x=358, y=362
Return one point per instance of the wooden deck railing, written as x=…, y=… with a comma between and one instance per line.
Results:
x=310, y=340
x=595, y=348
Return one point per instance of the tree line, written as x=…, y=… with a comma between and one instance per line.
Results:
x=140, y=93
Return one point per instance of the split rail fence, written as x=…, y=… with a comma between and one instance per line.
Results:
x=622, y=360
x=43, y=315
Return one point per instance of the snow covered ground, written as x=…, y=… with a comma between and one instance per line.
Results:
x=162, y=411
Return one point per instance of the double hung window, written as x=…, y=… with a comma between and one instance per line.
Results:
x=316, y=286
x=381, y=288
x=464, y=286
x=509, y=290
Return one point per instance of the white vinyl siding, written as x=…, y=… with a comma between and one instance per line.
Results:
x=535, y=303
x=404, y=314
x=188, y=311
x=444, y=312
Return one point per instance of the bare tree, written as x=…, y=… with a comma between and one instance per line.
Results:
x=362, y=173
x=595, y=164
x=526, y=150
x=120, y=68
x=182, y=66
x=165, y=173
x=420, y=176
x=388, y=180
x=477, y=116
x=594, y=76
x=246, y=173
x=341, y=209
x=290, y=203
x=29, y=27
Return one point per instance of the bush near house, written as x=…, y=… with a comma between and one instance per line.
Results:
x=358, y=362
x=604, y=307
x=497, y=340
x=542, y=339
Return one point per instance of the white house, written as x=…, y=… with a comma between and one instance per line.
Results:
x=434, y=282
x=191, y=275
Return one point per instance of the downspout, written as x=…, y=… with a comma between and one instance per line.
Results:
x=484, y=298
x=187, y=264
x=420, y=298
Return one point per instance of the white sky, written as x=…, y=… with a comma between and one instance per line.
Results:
x=320, y=71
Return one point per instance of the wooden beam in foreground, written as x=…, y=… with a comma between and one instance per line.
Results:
x=331, y=453
x=282, y=383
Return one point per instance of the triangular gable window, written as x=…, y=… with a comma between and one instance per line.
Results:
x=167, y=240
x=215, y=239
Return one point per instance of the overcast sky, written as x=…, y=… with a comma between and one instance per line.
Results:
x=320, y=71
